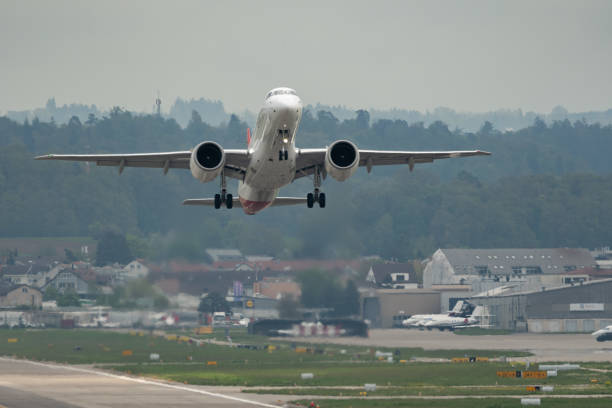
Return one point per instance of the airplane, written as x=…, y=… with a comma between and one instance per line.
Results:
x=461, y=309
x=270, y=161
x=603, y=334
x=451, y=323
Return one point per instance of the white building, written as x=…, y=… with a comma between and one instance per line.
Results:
x=521, y=269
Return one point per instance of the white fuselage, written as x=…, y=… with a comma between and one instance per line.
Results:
x=271, y=150
x=451, y=322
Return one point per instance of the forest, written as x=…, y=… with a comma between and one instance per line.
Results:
x=546, y=185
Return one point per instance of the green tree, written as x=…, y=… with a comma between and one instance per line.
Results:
x=288, y=308
x=350, y=299
x=50, y=293
x=214, y=302
x=69, y=298
x=112, y=247
x=70, y=256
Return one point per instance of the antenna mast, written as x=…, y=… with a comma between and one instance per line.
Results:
x=158, y=105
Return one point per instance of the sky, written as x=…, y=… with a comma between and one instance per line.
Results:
x=471, y=56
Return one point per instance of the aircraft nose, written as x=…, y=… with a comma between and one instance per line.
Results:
x=289, y=104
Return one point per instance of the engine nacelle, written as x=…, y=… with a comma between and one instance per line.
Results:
x=341, y=159
x=207, y=161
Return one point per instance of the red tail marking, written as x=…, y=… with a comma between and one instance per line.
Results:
x=248, y=136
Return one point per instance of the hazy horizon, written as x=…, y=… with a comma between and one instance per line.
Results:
x=470, y=56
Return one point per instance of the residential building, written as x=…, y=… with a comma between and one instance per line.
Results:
x=277, y=288
x=392, y=275
x=68, y=280
x=19, y=295
x=225, y=255
x=134, y=270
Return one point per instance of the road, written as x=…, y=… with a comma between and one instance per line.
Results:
x=26, y=384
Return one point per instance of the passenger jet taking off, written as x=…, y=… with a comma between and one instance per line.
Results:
x=269, y=162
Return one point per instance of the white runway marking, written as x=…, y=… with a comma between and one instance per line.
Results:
x=141, y=381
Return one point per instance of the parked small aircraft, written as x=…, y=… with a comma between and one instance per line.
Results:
x=461, y=309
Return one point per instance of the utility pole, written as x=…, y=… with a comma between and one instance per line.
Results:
x=158, y=105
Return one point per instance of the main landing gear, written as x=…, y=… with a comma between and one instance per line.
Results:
x=224, y=198
x=317, y=196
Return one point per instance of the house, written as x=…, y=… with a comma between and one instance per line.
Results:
x=31, y=274
x=277, y=288
x=486, y=269
x=134, y=270
x=225, y=255
x=392, y=275
x=19, y=295
x=68, y=280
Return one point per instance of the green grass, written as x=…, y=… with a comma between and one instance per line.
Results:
x=428, y=390
x=184, y=362
x=240, y=335
x=98, y=346
x=458, y=403
x=409, y=378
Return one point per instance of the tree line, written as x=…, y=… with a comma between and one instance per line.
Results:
x=547, y=185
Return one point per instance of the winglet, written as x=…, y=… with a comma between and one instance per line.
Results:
x=44, y=157
x=483, y=152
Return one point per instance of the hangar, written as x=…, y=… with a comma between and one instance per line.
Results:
x=582, y=307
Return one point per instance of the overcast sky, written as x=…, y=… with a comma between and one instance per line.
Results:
x=466, y=55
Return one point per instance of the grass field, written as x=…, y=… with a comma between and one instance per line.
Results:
x=333, y=366
x=84, y=346
x=459, y=403
x=404, y=379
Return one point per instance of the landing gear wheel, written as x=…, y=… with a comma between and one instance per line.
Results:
x=229, y=201
x=322, y=200
x=217, y=201
x=286, y=154
x=309, y=200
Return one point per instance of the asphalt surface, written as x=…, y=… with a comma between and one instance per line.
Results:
x=25, y=384
x=545, y=347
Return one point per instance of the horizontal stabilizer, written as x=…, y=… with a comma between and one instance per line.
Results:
x=279, y=201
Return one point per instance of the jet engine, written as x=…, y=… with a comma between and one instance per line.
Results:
x=341, y=159
x=207, y=161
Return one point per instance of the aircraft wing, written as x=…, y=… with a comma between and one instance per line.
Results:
x=279, y=201
x=308, y=159
x=236, y=160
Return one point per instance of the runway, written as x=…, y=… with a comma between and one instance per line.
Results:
x=26, y=384
x=545, y=347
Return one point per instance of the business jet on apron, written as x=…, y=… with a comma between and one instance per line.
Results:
x=270, y=161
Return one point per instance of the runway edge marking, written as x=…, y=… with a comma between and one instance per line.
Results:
x=140, y=381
